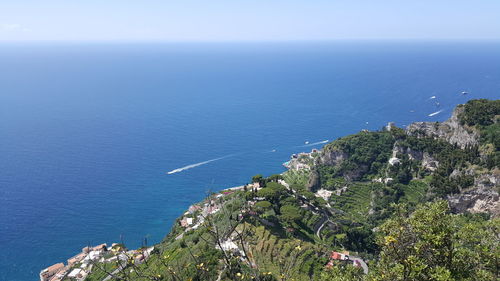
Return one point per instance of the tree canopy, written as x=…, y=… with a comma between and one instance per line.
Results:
x=290, y=213
x=432, y=244
x=480, y=112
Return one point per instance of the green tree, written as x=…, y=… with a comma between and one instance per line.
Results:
x=275, y=185
x=275, y=178
x=342, y=273
x=290, y=213
x=258, y=179
x=432, y=244
x=480, y=112
x=272, y=192
x=263, y=206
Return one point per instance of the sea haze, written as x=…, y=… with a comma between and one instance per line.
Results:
x=88, y=132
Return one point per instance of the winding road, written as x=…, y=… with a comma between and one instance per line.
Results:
x=361, y=263
x=324, y=220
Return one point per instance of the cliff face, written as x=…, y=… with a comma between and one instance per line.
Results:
x=413, y=154
x=450, y=130
x=335, y=157
x=483, y=197
x=356, y=156
x=332, y=157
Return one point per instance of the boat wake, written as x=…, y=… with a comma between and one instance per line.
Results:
x=315, y=143
x=178, y=170
x=435, y=113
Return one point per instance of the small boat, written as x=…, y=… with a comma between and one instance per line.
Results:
x=463, y=93
x=307, y=142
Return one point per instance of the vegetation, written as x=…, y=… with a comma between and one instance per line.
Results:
x=355, y=202
x=290, y=214
x=449, y=157
x=432, y=244
x=480, y=112
x=367, y=152
x=391, y=215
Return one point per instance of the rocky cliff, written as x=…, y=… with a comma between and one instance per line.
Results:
x=450, y=130
x=481, y=196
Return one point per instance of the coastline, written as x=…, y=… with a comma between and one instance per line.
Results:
x=89, y=255
x=199, y=214
x=78, y=265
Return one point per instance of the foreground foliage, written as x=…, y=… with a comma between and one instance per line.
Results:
x=432, y=244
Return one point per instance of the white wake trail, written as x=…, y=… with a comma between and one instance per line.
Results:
x=195, y=165
x=315, y=143
x=435, y=113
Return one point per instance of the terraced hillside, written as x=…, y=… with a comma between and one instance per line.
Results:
x=415, y=204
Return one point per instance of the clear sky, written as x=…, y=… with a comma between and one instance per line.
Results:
x=235, y=20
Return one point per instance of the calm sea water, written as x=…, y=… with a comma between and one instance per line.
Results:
x=88, y=131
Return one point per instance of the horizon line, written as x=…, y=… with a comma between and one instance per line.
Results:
x=139, y=41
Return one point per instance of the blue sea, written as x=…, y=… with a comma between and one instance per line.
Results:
x=88, y=131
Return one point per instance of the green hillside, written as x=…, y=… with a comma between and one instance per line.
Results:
x=414, y=204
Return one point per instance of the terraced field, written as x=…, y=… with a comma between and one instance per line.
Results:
x=355, y=202
x=415, y=191
x=291, y=257
x=296, y=178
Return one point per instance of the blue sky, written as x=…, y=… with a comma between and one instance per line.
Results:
x=236, y=20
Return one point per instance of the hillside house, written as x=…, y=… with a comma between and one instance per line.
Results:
x=46, y=274
x=76, y=259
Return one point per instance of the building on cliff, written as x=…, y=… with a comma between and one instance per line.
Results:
x=49, y=272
